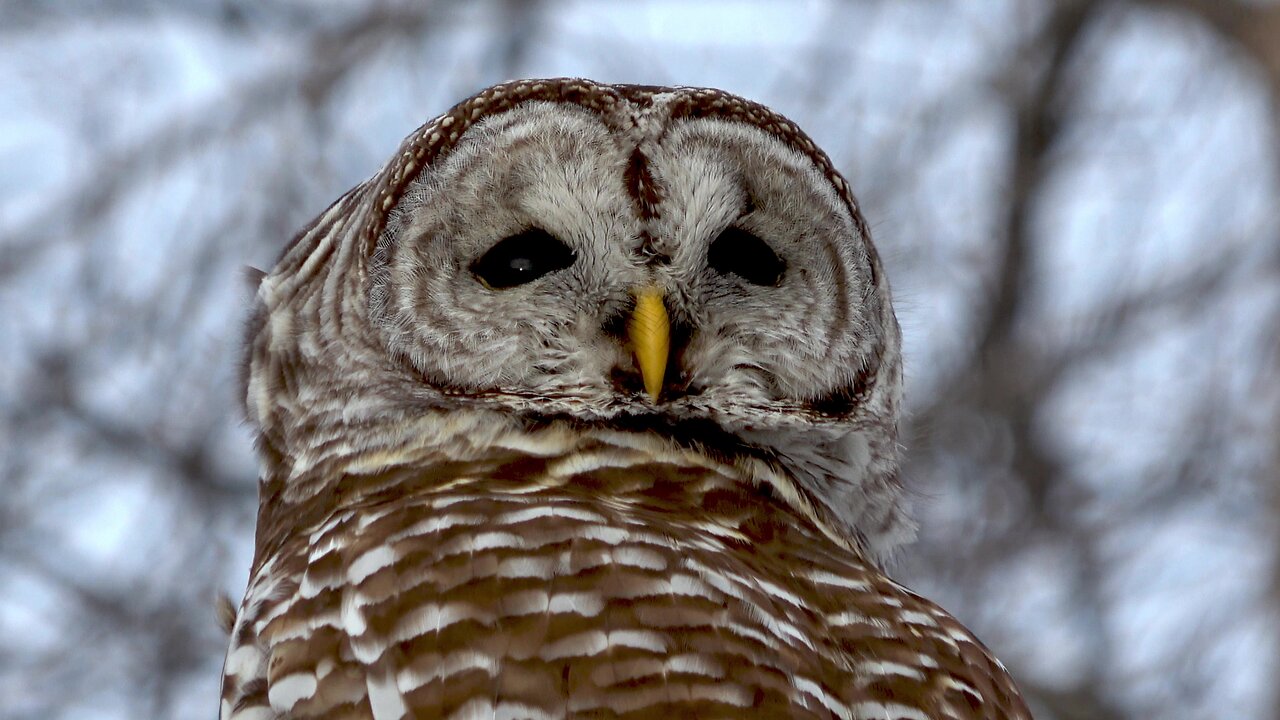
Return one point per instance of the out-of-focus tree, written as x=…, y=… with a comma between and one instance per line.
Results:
x=1076, y=200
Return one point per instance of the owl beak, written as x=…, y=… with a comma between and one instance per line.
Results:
x=650, y=334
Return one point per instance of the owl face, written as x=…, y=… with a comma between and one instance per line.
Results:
x=677, y=261
x=510, y=269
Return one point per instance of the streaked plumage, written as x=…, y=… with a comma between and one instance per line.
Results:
x=477, y=502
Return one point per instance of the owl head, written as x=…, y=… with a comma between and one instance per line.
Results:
x=563, y=253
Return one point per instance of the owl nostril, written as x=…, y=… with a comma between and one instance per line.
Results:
x=615, y=326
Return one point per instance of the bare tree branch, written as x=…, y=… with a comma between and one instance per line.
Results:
x=332, y=55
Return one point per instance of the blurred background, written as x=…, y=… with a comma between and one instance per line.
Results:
x=1076, y=201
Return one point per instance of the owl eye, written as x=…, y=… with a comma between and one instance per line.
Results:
x=740, y=253
x=522, y=258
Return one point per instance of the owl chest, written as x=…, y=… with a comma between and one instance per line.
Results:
x=563, y=606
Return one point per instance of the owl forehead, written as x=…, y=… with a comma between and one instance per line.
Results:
x=637, y=116
x=658, y=167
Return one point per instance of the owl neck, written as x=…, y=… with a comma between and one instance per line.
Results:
x=312, y=467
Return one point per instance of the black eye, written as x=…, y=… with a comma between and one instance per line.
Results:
x=739, y=252
x=522, y=258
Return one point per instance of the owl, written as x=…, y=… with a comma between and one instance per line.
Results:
x=586, y=405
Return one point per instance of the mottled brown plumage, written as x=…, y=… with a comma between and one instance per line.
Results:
x=473, y=507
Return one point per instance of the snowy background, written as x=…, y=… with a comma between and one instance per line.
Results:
x=1077, y=203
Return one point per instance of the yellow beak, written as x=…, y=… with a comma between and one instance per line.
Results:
x=650, y=335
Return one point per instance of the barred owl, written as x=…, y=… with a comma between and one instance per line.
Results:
x=585, y=405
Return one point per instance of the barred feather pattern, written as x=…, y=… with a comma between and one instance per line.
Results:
x=429, y=549
x=596, y=575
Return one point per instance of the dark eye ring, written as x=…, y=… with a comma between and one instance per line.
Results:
x=738, y=252
x=522, y=258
